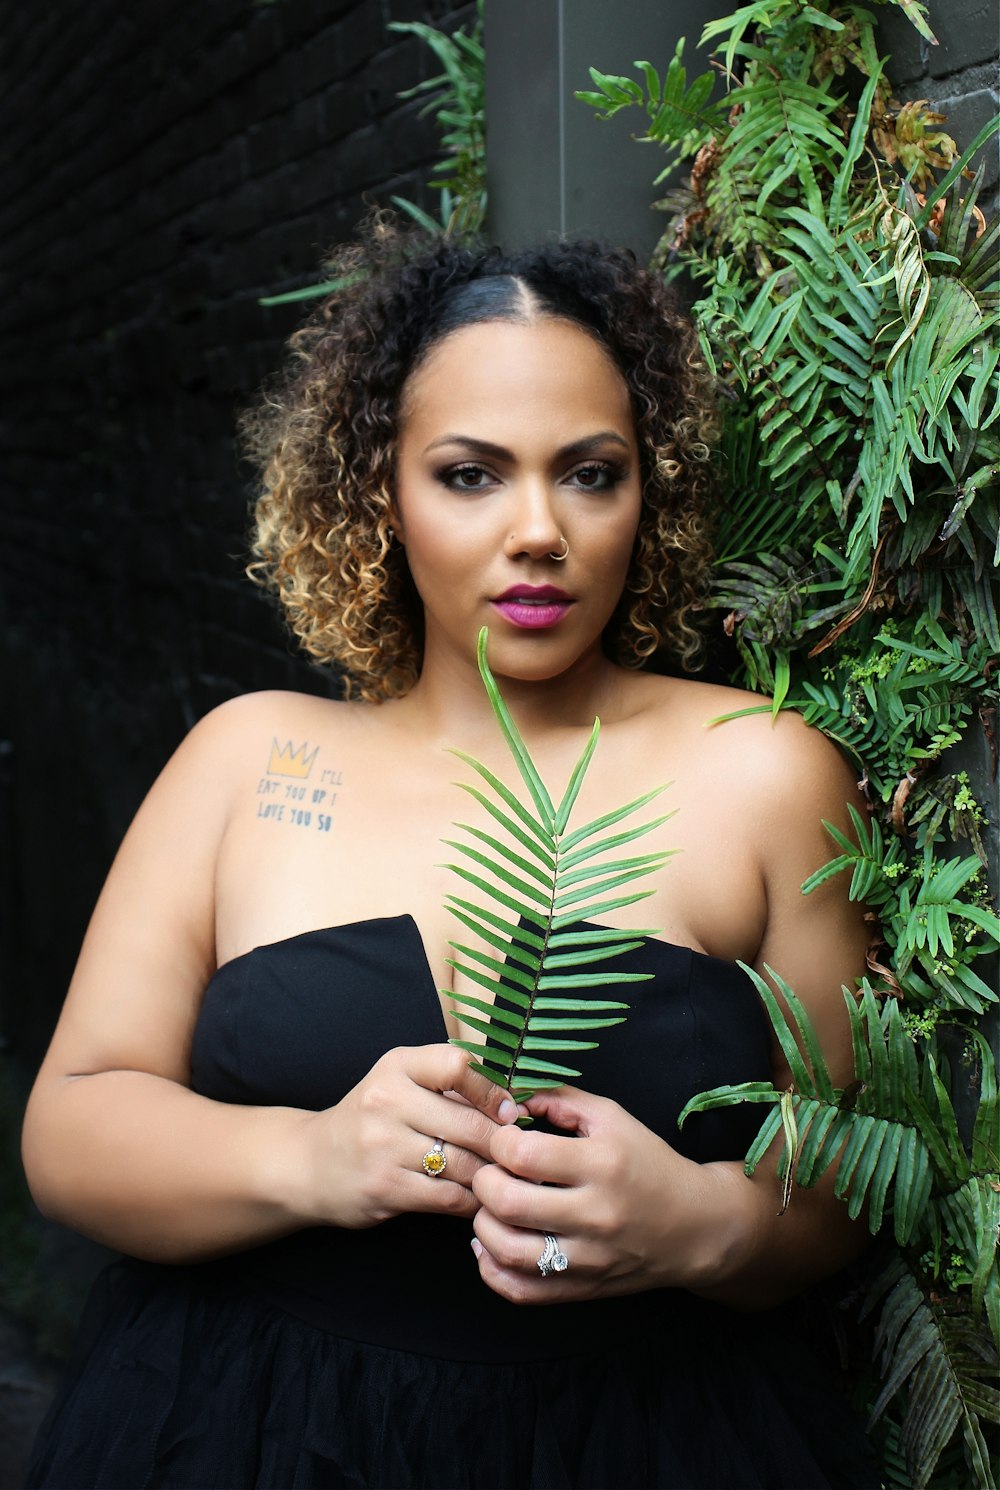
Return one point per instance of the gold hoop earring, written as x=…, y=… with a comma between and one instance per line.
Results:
x=560, y=558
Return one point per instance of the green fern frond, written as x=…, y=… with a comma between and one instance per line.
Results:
x=457, y=101
x=677, y=111
x=950, y=1471
x=971, y=1215
x=759, y=15
x=884, y=1131
x=934, y=1359
x=537, y=972
x=916, y=13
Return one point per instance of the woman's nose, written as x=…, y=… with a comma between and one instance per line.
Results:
x=534, y=524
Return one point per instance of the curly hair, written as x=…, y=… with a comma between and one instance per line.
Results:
x=324, y=439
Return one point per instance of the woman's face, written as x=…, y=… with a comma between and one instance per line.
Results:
x=516, y=440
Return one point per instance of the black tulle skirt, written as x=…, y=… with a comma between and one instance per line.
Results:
x=192, y=1378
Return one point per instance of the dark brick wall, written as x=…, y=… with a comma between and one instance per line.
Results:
x=959, y=76
x=161, y=167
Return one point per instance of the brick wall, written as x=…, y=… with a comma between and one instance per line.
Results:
x=959, y=76
x=162, y=167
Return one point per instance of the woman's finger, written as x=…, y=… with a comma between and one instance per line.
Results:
x=453, y=1102
x=528, y=1285
x=519, y=1247
x=525, y=1203
x=437, y=1157
x=455, y=1123
x=552, y=1158
x=574, y=1110
x=434, y=1175
x=443, y=1068
x=586, y=1154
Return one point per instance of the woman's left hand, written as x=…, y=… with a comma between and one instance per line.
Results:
x=629, y=1212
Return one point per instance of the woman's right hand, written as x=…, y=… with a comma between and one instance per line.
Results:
x=363, y=1158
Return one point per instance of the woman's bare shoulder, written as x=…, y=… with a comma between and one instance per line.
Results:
x=775, y=782
x=235, y=729
x=272, y=707
x=233, y=746
x=735, y=733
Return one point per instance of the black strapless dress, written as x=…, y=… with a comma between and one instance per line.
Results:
x=378, y=1358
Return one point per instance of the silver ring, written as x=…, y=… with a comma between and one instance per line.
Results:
x=552, y=1260
x=434, y=1161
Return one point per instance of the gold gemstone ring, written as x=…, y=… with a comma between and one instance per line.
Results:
x=434, y=1161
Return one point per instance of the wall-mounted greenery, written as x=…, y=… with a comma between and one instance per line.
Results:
x=848, y=292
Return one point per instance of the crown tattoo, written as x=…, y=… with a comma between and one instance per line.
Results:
x=288, y=762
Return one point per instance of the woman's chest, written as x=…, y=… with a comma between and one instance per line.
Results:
x=347, y=831
x=301, y=1021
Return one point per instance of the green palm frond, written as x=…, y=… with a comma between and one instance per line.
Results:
x=893, y=1137
x=540, y=887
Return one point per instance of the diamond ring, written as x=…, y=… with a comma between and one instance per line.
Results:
x=552, y=1260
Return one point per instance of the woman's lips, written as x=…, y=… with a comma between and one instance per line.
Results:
x=533, y=608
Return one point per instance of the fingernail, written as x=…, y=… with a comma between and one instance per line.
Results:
x=476, y=1246
x=507, y=1112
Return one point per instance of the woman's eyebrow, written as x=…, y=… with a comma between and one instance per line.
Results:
x=585, y=446
x=591, y=443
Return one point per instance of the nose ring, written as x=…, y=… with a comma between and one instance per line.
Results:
x=558, y=558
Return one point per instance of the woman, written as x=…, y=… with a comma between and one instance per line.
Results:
x=342, y=1235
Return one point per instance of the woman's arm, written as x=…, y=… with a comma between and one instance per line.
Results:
x=817, y=944
x=632, y=1212
x=118, y=1146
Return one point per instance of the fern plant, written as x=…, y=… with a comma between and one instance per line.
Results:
x=893, y=1138
x=545, y=885
x=927, y=1343
x=848, y=296
x=457, y=101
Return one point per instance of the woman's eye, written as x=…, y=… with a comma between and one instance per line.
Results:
x=597, y=476
x=466, y=478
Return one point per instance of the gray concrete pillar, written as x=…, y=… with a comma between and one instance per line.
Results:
x=554, y=167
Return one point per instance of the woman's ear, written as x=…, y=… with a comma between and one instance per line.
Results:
x=396, y=521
